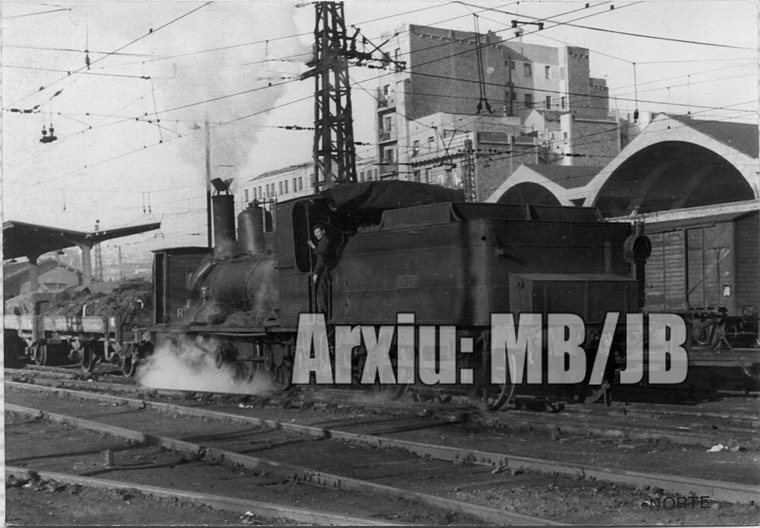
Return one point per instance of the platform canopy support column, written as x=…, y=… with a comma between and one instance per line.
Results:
x=34, y=283
x=86, y=265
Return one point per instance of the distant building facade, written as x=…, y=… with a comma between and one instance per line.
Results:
x=52, y=276
x=290, y=182
x=543, y=104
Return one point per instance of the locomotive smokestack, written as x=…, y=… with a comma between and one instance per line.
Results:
x=224, y=213
x=224, y=218
x=251, y=229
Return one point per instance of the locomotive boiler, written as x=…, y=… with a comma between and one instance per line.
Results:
x=398, y=247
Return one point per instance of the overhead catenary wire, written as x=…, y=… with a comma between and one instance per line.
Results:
x=151, y=32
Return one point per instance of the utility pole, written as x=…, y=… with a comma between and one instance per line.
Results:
x=511, y=110
x=334, y=150
x=470, y=194
x=98, y=256
x=208, y=185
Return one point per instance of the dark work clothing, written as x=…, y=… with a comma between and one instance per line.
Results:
x=324, y=255
x=322, y=271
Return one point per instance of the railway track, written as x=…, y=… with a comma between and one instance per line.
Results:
x=501, y=467
x=628, y=423
x=264, y=512
x=230, y=452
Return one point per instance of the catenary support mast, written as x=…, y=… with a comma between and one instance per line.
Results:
x=334, y=149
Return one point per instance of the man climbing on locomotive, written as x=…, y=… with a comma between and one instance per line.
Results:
x=321, y=275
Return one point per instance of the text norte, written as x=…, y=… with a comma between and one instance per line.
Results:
x=519, y=346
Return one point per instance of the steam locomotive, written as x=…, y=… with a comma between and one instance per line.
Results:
x=399, y=247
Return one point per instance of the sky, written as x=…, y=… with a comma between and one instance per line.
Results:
x=131, y=143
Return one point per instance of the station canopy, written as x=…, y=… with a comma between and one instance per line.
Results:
x=21, y=239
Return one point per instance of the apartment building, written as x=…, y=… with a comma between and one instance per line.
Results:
x=442, y=77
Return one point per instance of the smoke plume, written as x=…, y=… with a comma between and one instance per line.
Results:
x=235, y=83
x=181, y=365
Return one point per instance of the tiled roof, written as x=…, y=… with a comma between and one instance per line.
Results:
x=740, y=136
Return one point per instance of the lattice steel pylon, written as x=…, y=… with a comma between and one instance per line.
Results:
x=334, y=151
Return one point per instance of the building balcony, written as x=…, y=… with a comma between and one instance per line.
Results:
x=388, y=167
x=385, y=100
x=386, y=136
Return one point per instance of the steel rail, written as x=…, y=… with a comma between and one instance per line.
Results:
x=291, y=471
x=500, y=418
x=546, y=422
x=268, y=510
x=717, y=490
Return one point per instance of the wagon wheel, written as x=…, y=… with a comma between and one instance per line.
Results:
x=278, y=363
x=711, y=335
x=89, y=358
x=39, y=354
x=482, y=393
x=129, y=361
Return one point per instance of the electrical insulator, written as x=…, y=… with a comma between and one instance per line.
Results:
x=540, y=26
x=635, y=115
x=514, y=23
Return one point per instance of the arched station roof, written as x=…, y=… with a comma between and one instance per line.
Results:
x=678, y=162
x=545, y=185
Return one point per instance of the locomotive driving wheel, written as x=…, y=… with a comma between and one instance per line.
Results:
x=491, y=397
x=384, y=392
x=390, y=392
x=278, y=363
x=482, y=393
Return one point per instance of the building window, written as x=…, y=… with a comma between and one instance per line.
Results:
x=386, y=91
x=547, y=72
x=428, y=175
x=416, y=176
x=562, y=102
x=416, y=147
x=361, y=176
x=514, y=95
x=390, y=155
x=431, y=143
x=300, y=183
x=388, y=124
x=548, y=102
x=279, y=187
x=246, y=195
x=286, y=186
x=528, y=100
x=510, y=63
x=527, y=71
x=375, y=174
x=396, y=54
